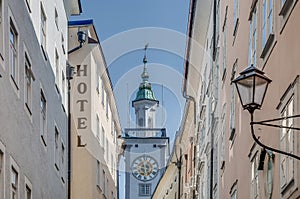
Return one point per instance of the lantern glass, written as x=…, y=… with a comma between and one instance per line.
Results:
x=261, y=86
x=245, y=89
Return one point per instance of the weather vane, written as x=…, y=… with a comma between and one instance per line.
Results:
x=145, y=49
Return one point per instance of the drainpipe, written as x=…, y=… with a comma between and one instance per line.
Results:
x=70, y=74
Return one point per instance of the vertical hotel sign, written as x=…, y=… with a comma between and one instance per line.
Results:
x=81, y=103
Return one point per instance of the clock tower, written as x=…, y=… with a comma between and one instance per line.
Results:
x=146, y=146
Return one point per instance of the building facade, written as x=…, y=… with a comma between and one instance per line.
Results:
x=95, y=125
x=225, y=37
x=33, y=99
x=146, y=147
x=178, y=180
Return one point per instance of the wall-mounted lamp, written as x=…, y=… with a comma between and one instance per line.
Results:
x=252, y=86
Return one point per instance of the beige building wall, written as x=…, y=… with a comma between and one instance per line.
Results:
x=178, y=178
x=33, y=161
x=241, y=168
x=243, y=156
x=95, y=122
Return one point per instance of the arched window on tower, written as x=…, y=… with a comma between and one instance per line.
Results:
x=141, y=122
x=150, y=123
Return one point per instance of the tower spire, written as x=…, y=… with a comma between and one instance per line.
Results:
x=145, y=75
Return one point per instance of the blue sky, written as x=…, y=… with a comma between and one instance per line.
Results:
x=161, y=23
x=124, y=27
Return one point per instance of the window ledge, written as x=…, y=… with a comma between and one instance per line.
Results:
x=14, y=81
x=28, y=109
x=224, y=74
x=232, y=134
x=28, y=6
x=43, y=140
x=56, y=167
x=44, y=53
x=285, y=7
x=236, y=26
x=253, y=5
x=287, y=187
x=267, y=45
x=99, y=188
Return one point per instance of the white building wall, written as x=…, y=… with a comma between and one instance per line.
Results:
x=25, y=151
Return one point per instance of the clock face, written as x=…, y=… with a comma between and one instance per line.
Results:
x=144, y=168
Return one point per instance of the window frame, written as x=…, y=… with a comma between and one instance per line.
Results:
x=252, y=52
x=2, y=169
x=2, y=43
x=43, y=117
x=43, y=29
x=13, y=53
x=56, y=18
x=57, y=69
x=27, y=186
x=144, y=189
x=236, y=13
x=28, y=79
x=56, y=148
x=14, y=188
x=288, y=181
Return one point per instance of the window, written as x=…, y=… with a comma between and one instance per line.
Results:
x=56, y=18
x=28, y=84
x=254, y=178
x=103, y=93
x=62, y=158
x=1, y=171
x=63, y=43
x=104, y=183
x=288, y=106
x=235, y=16
x=63, y=85
x=285, y=6
x=233, y=191
x=252, y=38
x=56, y=148
x=287, y=143
x=267, y=21
x=234, y=195
x=14, y=183
x=103, y=136
x=107, y=150
x=28, y=189
x=27, y=192
x=224, y=51
x=98, y=128
x=1, y=30
x=43, y=30
x=107, y=106
x=145, y=189
x=98, y=173
x=13, y=53
x=232, y=103
x=43, y=118
x=56, y=70
x=97, y=80
x=141, y=122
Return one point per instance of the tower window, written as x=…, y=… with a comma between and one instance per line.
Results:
x=144, y=189
x=141, y=122
x=136, y=145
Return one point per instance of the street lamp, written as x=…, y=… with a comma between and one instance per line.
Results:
x=252, y=86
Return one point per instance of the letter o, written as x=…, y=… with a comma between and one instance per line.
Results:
x=81, y=88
